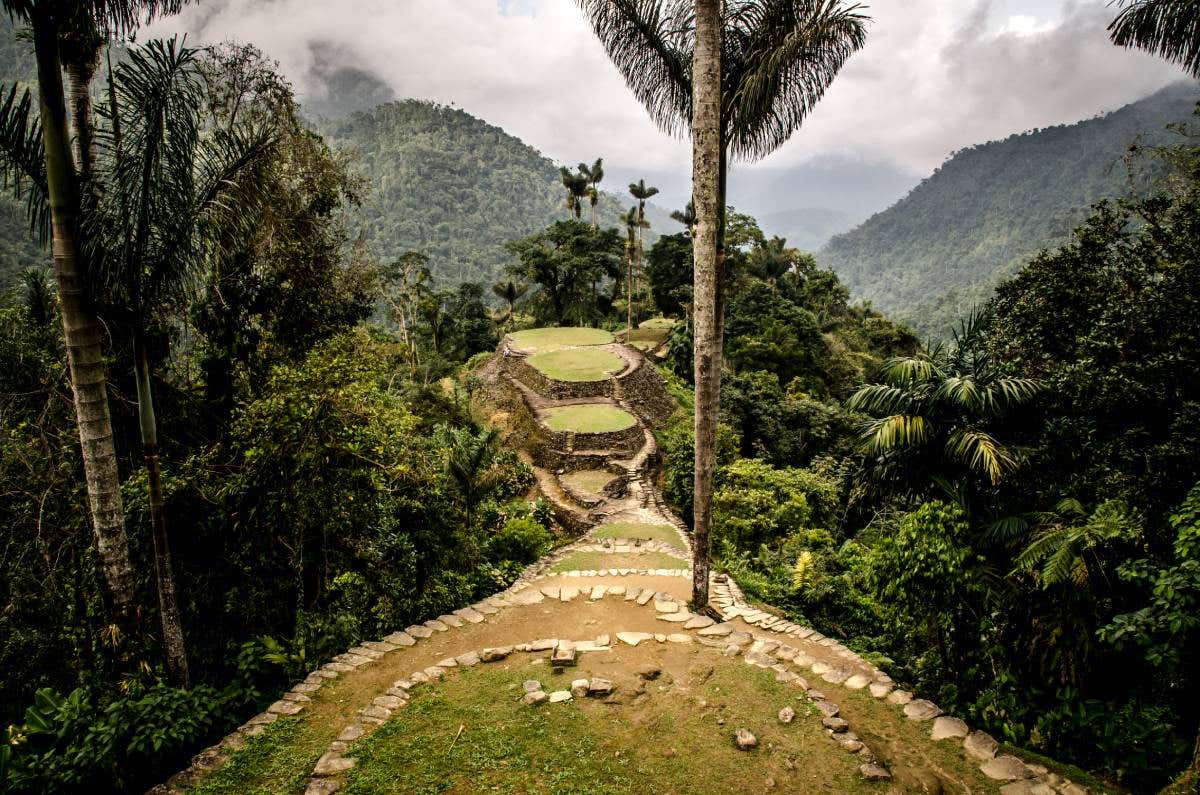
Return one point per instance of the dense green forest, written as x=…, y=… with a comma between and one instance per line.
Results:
x=938, y=252
x=282, y=350
x=453, y=187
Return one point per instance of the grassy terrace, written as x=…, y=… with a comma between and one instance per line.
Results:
x=549, y=339
x=577, y=364
x=588, y=481
x=647, y=532
x=595, y=561
x=588, y=418
x=588, y=745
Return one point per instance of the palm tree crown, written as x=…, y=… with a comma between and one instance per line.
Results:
x=1167, y=28
x=777, y=59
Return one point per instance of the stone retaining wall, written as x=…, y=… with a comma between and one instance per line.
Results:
x=554, y=450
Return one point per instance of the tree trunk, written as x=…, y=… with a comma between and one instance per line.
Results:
x=629, y=296
x=706, y=177
x=81, y=333
x=168, y=603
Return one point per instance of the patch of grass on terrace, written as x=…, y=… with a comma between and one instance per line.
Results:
x=595, y=561
x=664, y=743
x=647, y=532
x=548, y=339
x=277, y=761
x=588, y=481
x=657, y=323
x=577, y=364
x=588, y=418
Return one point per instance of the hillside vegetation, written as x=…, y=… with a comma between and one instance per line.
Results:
x=942, y=248
x=453, y=187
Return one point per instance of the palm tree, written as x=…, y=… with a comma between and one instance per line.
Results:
x=470, y=464
x=168, y=194
x=1070, y=543
x=631, y=224
x=771, y=261
x=640, y=191
x=771, y=61
x=687, y=217
x=53, y=189
x=509, y=292
x=577, y=187
x=1168, y=28
x=930, y=413
x=593, y=174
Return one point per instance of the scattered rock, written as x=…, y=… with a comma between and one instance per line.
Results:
x=836, y=725
x=679, y=637
x=827, y=708
x=419, y=632
x=899, y=697
x=579, y=688
x=535, y=698
x=559, y=696
x=531, y=685
x=468, y=659
x=787, y=715
x=330, y=764
x=945, y=728
x=599, y=687
x=388, y=702
x=873, y=772
x=633, y=638
x=716, y=631
x=698, y=622
x=282, y=707
x=857, y=682
x=744, y=739
x=563, y=654
x=879, y=689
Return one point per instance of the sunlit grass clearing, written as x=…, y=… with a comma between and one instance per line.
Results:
x=553, y=338
x=588, y=418
x=595, y=561
x=646, y=532
x=577, y=364
x=588, y=481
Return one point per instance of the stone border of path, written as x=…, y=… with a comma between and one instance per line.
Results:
x=1022, y=778
x=326, y=777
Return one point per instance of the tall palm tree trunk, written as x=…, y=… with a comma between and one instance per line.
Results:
x=81, y=333
x=706, y=178
x=629, y=295
x=168, y=602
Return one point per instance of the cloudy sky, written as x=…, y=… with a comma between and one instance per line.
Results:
x=936, y=75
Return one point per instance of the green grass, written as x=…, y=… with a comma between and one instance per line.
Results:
x=647, y=532
x=588, y=418
x=588, y=481
x=470, y=733
x=549, y=339
x=577, y=364
x=657, y=323
x=277, y=761
x=595, y=561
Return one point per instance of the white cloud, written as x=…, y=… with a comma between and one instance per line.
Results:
x=936, y=75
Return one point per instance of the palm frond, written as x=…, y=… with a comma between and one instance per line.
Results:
x=906, y=370
x=781, y=56
x=896, y=431
x=22, y=161
x=981, y=452
x=880, y=399
x=651, y=43
x=1169, y=29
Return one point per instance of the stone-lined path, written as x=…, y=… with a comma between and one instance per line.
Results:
x=609, y=586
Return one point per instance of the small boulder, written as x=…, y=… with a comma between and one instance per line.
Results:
x=531, y=685
x=579, y=688
x=787, y=715
x=945, y=728
x=599, y=687
x=980, y=745
x=535, y=698
x=495, y=653
x=560, y=695
x=744, y=739
x=872, y=772
x=920, y=709
x=1005, y=768
x=836, y=725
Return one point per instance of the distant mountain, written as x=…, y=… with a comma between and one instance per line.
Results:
x=939, y=250
x=454, y=187
x=806, y=228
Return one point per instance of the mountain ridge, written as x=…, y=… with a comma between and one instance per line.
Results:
x=938, y=251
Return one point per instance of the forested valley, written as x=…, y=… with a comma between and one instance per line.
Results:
x=1007, y=521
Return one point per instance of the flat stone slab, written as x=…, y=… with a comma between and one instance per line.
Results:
x=632, y=593
x=981, y=745
x=666, y=607
x=857, y=682
x=468, y=659
x=282, y=707
x=698, y=622
x=470, y=614
x=879, y=689
x=920, y=709
x=559, y=696
x=827, y=708
x=550, y=592
x=567, y=594
x=598, y=686
x=418, y=631
x=563, y=654
x=451, y=621
x=820, y=668
x=531, y=685
x=633, y=638
x=331, y=764
x=873, y=772
x=645, y=596
x=436, y=625
x=401, y=639
x=598, y=592
x=679, y=637
x=1005, y=768
x=716, y=630
x=836, y=676
x=495, y=653
x=675, y=618
x=899, y=697
x=534, y=698
x=945, y=728
x=836, y=725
